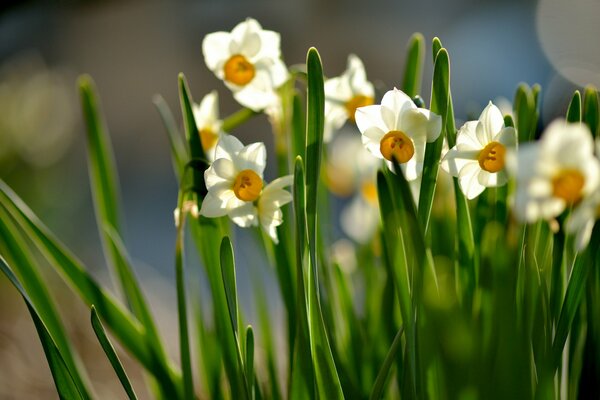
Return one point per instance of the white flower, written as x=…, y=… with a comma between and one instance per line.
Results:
x=344, y=94
x=234, y=180
x=248, y=60
x=478, y=159
x=397, y=128
x=236, y=187
x=558, y=171
x=206, y=115
x=582, y=220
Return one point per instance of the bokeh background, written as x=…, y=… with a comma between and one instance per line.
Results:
x=135, y=49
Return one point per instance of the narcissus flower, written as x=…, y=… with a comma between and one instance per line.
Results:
x=206, y=115
x=555, y=173
x=236, y=187
x=344, y=94
x=478, y=159
x=248, y=60
x=398, y=128
x=234, y=180
x=582, y=220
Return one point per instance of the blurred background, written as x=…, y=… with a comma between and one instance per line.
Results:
x=135, y=49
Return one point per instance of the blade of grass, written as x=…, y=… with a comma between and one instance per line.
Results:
x=250, y=360
x=328, y=383
x=413, y=71
x=525, y=113
x=590, y=109
x=439, y=105
x=574, y=110
x=179, y=154
x=111, y=354
x=64, y=380
x=14, y=248
x=384, y=371
x=125, y=327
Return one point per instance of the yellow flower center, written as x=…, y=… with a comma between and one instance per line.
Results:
x=355, y=102
x=238, y=70
x=369, y=192
x=208, y=138
x=568, y=185
x=491, y=158
x=247, y=185
x=397, y=144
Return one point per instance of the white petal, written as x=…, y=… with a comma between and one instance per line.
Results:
x=468, y=181
x=454, y=161
x=245, y=38
x=220, y=171
x=370, y=116
x=212, y=207
x=215, y=48
x=270, y=45
x=279, y=183
x=492, y=123
x=258, y=94
x=466, y=137
x=245, y=215
x=371, y=139
x=397, y=101
x=507, y=136
x=254, y=157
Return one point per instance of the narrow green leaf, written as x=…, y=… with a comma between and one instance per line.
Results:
x=228, y=274
x=63, y=377
x=590, y=109
x=250, y=359
x=414, y=65
x=384, y=371
x=574, y=110
x=525, y=113
x=436, y=46
x=298, y=128
x=111, y=354
x=191, y=133
x=314, y=138
x=439, y=105
x=125, y=327
x=15, y=249
x=179, y=154
x=302, y=372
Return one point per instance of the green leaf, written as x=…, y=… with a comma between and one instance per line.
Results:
x=124, y=326
x=64, y=380
x=413, y=70
x=111, y=354
x=436, y=46
x=574, y=110
x=228, y=274
x=439, y=105
x=249, y=362
x=302, y=372
x=384, y=371
x=15, y=249
x=590, y=109
x=179, y=153
x=298, y=127
x=314, y=138
x=525, y=113
x=191, y=133
x=184, y=340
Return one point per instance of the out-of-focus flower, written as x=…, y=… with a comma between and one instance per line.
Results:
x=206, y=115
x=236, y=187
x=344, y=94
x=557, y=172
x=398, y=128
x=351, y=171
x=582, y=220
x=189, y=207
x=248, y=60
x=234, y=180
x=478, y=159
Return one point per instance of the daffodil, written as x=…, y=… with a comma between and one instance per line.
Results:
x=236, y=187
x=555, y=173
x=234, y=180
x=344, y=94
x=478, y=159
x=398, y=129
x=206, y=115
x=248, y=60
x=582, y=220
